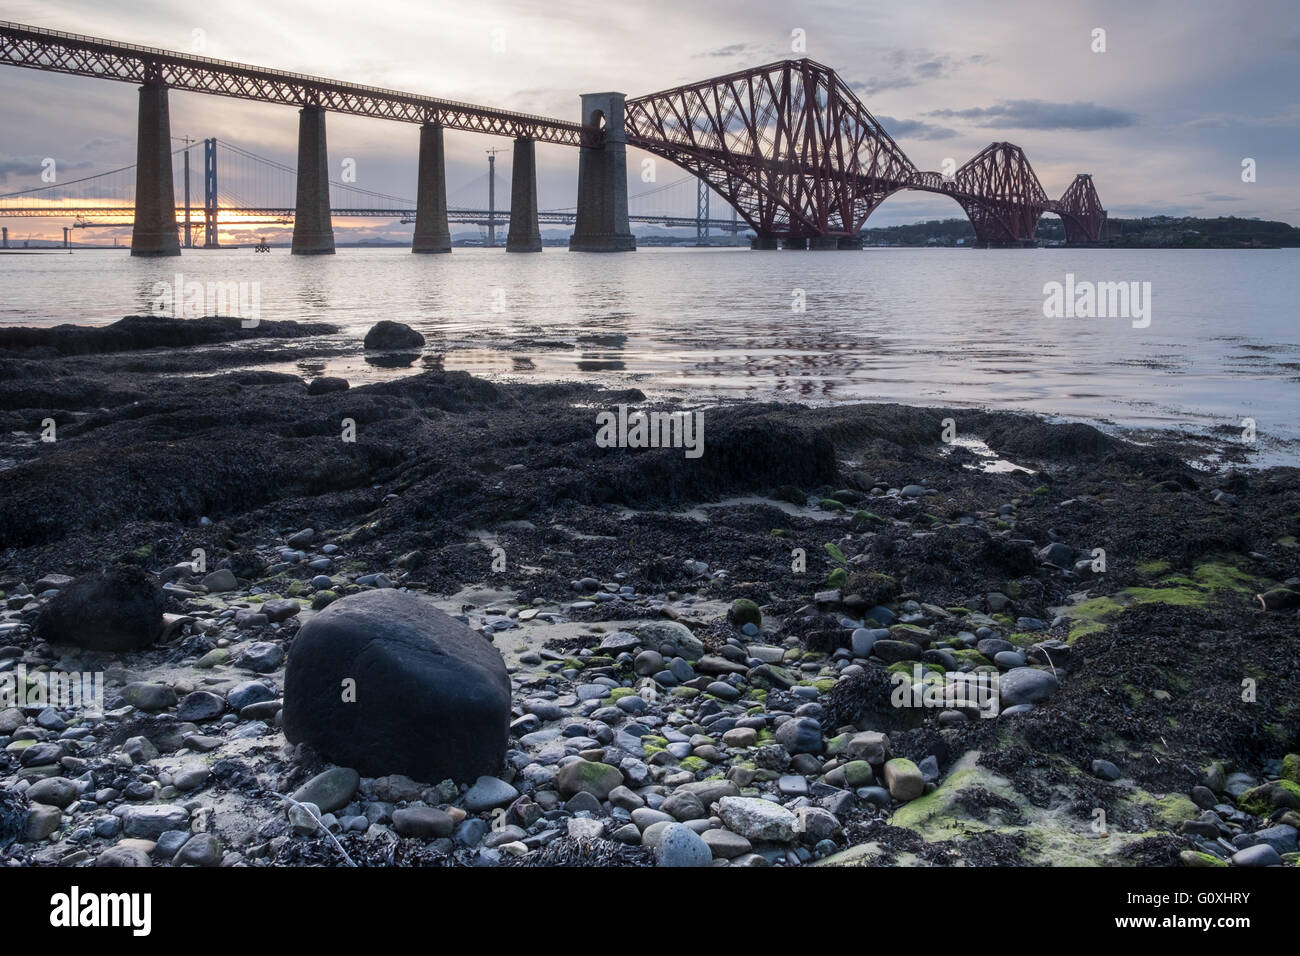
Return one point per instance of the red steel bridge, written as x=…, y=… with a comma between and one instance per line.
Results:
x=788, y=145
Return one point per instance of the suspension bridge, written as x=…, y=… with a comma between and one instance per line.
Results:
x=244, y=189
x=788, y=145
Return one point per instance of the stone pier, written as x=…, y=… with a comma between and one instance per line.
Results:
x=763, y=242
x=431, y=231
x=524, y=235
x=602, y=224
x=794, y=242
x=154, y=231
x=313, y=232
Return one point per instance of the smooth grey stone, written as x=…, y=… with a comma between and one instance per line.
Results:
x=680, y=846
x=724, y=690
x=1281, y=838
x=200, y=705
x=220, y=580
x=1009, y=659
x=169, y=842
x=792, y=785
x=248, y=692
x=1261, y=854
x=329, y=790
x=584, y=802
x=644, y=817
x=800, y=735
x=1105, y=770
x=864, y=639
x=487, y=793
x=1026, y=685
x=471, y=831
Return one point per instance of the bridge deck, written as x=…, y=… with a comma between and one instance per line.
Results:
x=53, y=51
x=482, y=217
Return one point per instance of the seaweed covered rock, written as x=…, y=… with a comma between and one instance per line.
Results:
x=385, y=683
x=392, y=335
x=135, y=332
x=117, y=609
x=744, y=611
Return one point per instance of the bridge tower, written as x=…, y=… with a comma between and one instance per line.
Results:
x=154, y=231
x=189, y=237
x=313, y=230
x=602, y=224
x=701, y=213
x=431, y=231
x=492, y=196
x=210, y=193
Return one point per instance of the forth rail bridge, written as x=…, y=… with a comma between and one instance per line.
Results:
x=788, y=145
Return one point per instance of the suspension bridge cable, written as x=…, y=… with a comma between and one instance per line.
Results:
x=83, y=179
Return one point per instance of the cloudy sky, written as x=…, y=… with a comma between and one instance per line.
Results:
x=1185, y=90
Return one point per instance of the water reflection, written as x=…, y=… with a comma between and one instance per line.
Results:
x=392, y=359
x=594, y=363
x=935, y=326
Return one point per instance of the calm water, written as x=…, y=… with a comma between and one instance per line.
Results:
x=959, y=327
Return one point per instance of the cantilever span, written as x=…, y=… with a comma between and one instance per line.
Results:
x=788, y=144
x=803, y=161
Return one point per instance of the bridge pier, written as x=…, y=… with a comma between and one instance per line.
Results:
x=794, y=242
x=313, y=231
x=824, y=243
x=524, y=234
x=601, y=223
x=849, y=242
x=431, y=231
x=763, y=242
x=154, y=230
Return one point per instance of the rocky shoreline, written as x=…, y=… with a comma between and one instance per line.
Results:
x=749, y=658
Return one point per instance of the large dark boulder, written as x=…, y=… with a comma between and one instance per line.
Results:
x=117, y=609
x=432, y=699
x=393, y=335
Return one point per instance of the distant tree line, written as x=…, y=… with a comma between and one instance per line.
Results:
x=1153, y=232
